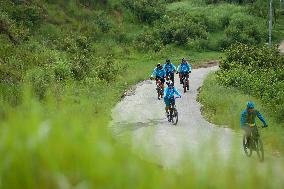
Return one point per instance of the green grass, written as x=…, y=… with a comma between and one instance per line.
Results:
x=67, y=145
x=62, y=141
x=225, y=110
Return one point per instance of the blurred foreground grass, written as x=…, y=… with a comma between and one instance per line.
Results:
x=66, y=144
x=70, y=147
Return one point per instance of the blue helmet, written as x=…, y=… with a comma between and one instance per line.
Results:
x=250, y=105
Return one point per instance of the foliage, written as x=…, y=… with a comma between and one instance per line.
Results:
x=216, y=107
x=146, y=10
x=257, y=71
x=245, y=29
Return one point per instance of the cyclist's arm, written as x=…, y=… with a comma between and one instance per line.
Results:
x=189, y=67
x=165, y=73
x=177, y=93
x=178, y=69
x=154, y=73
x=166, y=91
x=243, y=118
x=174, y=68
x=261, y=118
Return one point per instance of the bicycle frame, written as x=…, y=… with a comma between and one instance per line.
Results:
x=173, y=113
x=254, y=143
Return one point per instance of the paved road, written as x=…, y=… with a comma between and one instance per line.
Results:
x=139, y=121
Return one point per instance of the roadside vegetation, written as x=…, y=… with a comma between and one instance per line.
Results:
x=248, y=73
x=65, y=64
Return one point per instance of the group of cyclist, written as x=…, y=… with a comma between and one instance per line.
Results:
x=165, y=73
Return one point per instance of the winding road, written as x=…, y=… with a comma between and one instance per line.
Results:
x=139, y=121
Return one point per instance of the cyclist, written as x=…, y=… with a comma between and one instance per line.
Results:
x=248, y=120
x=170, y=70
x=169, y=93
x=184, y=69
x=159, y=73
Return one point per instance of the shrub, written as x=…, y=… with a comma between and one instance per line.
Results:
x=80, y=66
x=30, y=15
x=62, y=70
x=245, y=29
x=146, y=10
x=176, y=28
x=149, y=40
x=257, y=71
x=107, y=69
x=40, y=79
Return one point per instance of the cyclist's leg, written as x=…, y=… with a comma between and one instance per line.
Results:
x=187, y=76
x=157, y=79
x=167, y=103
x=162, y=80
x=247, y=133
x=172, y=75
x=181, y=78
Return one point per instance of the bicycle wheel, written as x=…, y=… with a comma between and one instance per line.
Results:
x=175, y=117
x=170, y=115
x=259, y=149
x=248, y=151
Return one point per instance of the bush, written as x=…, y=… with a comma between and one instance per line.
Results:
x=258, y=71
x=149, y=40
x=80, y=66
x=176, y=28
x=62, y=70
x=107, y=69
x=40, y=79
x=245, y=29
x=30, y=15
x=146, y=10
x=180, y=28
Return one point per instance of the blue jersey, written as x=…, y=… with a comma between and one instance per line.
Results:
x=184, y=67
x=159, y=73
x=169, y=68
x=169, y=93
x=249, y=118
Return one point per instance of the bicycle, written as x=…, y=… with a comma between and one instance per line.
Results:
x=160, y=89
x=170, y=76
x=254, y=144
x=173, y=113
x=185, y=82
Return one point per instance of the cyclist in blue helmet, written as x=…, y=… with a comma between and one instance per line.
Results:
x=169, y=93
x=247, y=121
x=170, y=70
x=159, y=73
x=183, y=69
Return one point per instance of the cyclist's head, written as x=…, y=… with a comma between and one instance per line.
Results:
x=250, y=106
x=168, y=61
x=183, y=60
x=159, y=66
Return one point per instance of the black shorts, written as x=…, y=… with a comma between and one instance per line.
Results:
x=184, y=74
x=161, y=79
x=171, y=75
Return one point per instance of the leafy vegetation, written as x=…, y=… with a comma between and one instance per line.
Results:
x=225, y=110
x=64, y=65
x=257, y=71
